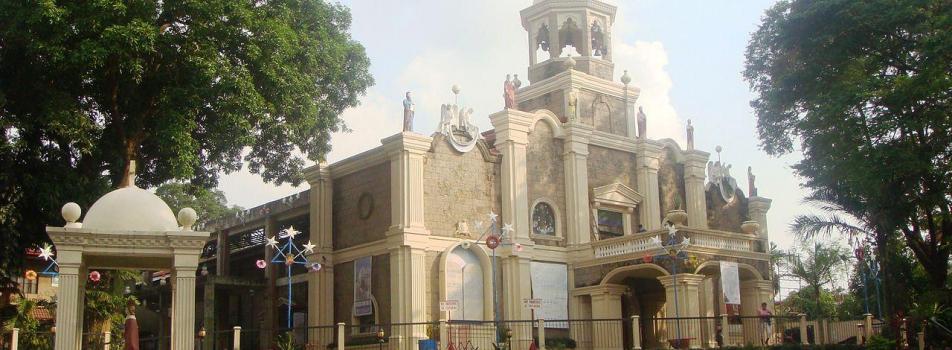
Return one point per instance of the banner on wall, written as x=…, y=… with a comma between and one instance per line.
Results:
x=550, y=286
x=363, y=273
x=730, y=282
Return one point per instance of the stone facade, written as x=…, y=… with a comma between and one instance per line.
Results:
x=457, y=187
x=611, y=191
x=351, y=225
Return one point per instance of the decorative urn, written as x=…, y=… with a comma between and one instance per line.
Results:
x=677, y=217
x=750, y=227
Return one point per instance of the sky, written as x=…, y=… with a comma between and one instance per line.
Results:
x=686, y=56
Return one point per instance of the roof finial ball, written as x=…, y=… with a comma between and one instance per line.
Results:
x=187, y=217
x=71, y=213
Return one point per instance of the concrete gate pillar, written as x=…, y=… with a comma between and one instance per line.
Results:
x=70, y=300
x=681, y=301
x=607, y=334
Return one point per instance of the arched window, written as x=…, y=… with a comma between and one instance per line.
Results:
x=543, y=219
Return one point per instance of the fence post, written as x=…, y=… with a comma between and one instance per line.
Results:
x=860, y=334
x=825, y=326
x=724, y=331
x=635, y=333
x=106, y=339
x=868, y=325
x=541, y=335
x=444, y=334
x=340, y=336
x=903, y=337
x=922, y=337
x=804, y=337
x=15, y=339
x=236, y=338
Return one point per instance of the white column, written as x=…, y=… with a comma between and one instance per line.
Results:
x=69, y=299
x=320, y=296
x=512, y=129
x=606, y=305
x=647, y=163
x=757, y=207
x=15, y=339
x=183, y=301
x=575, y=158
x=696, y=162
x=408, y=295
x=407, y=152
x=687, y=305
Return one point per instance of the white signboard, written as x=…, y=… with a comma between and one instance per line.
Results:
x=532, y=304
x=730, y=282
x=550, y=287
x=363, y=274
x=449, y=305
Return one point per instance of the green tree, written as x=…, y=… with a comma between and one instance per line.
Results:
x=818, y=266
x=187, y=89
x=209, y=204
x=865, y=89
x=33, y=334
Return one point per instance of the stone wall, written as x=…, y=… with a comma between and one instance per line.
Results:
x=726, y=215
x=553, y=101
x=344, y=289
x=349, y=227
x=545, y=172
x=602, y=112
x=608, y=166
x=457, y=187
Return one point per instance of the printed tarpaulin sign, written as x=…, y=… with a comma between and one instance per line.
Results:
x=730, y=282
x=550, y=289
x=363, y=273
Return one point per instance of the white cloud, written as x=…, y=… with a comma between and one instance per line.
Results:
x=646, y=62
x=475, y=51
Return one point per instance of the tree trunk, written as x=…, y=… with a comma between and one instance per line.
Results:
x=129, y=167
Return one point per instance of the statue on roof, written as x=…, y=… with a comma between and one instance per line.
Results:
x=751, y=187
x=456, y=127
x=642, y=123
x=690, y=136
x=408, y=111
x=509, y=92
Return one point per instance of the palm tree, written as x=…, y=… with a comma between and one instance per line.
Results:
x=818, y=267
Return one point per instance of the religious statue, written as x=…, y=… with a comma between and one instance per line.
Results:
x=131, y=334
x=573, y=105
x=456, y=127
x=690, y=136
x=642, y=123
x=462, y=229
x=509, y=92
x=408, y=110
x=751, y=188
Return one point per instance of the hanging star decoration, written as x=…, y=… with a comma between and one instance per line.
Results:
x=289, y=253
x=494, y=236
x=47, y=254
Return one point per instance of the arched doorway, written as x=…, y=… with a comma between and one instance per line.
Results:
x=644, y=296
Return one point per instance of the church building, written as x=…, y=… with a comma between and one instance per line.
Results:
x=591, y=218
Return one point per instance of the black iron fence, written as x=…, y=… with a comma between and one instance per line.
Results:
x=627, y=333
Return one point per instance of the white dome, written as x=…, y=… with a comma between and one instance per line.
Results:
x=130, y=209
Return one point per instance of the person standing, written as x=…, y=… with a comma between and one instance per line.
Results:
x=765, y=319
x=131, y=333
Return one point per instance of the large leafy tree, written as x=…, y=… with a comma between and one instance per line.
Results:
x=210, y=204
x=187, y=89
x=865, y=89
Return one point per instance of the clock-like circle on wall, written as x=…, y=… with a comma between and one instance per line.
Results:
x=365, y=205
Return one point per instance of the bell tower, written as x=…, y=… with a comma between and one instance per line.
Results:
x=561, y=28
x=571, y=68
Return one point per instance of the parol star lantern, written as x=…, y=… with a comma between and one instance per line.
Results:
x=289, y=254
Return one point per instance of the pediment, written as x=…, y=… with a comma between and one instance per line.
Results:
x=616, y=194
